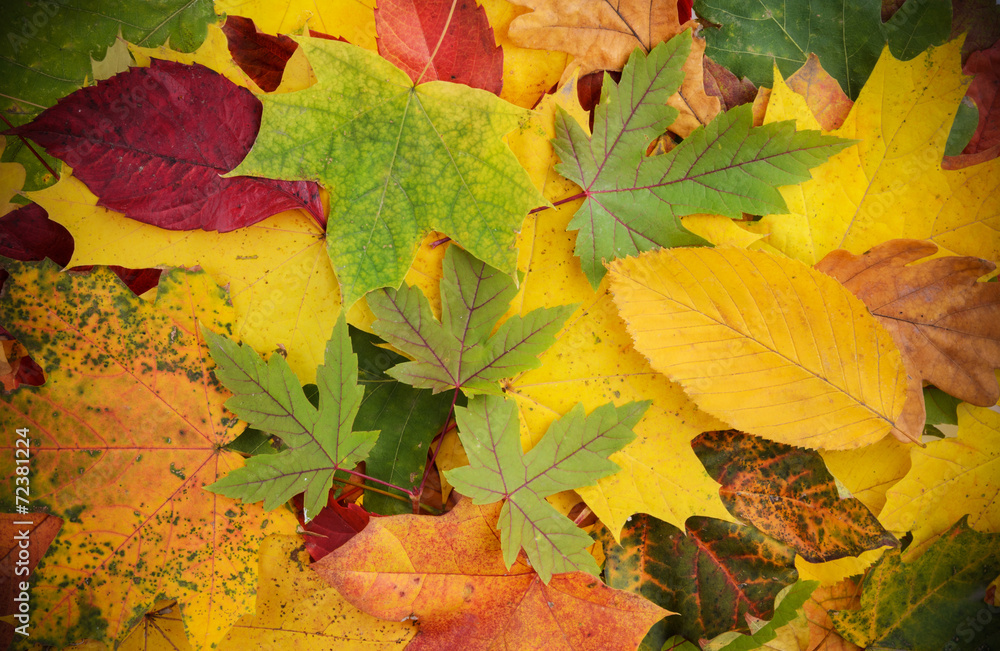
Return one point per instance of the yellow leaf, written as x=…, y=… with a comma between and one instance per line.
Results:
x=950, y=478
x=720, y=230
x=766, y=344
x=279, y=275
x=214, y=54
x=296, y=609
x=870, y=471
x=353, y=20
x=832, y=572
x=890, y=184
x=161, y=629
x=12, y=177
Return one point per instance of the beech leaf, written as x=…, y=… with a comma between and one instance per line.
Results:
x=634, y=201
x=466, y=597
x=574, y=452
x=764, y=343
x=400, y=160
x=320, y=439
x=459, y=351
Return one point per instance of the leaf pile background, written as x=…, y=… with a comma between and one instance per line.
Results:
x=523, y=323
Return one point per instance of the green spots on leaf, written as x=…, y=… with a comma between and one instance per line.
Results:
x=177, y=472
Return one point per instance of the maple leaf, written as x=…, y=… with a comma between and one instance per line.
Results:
x=399, y=159
x=459, y=352
x=847, y=36
x=127, y=430
x=298, y=609
x=950, y=478
x=634, y=201
x=890, y=185
x=320, y=439
x=410, y=38
x=150, y=161
x=826, y=101
x=803, y=378
x=600, y=35
x=572, y=453
x=333, y=526
x=448, y=574
x=48, y=48
x=351, y=20
x=713, y=574
x=788, y=494
x=41, y=531
x=923, y=604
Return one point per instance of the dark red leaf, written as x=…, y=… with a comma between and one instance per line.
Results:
x=152, y=143
x=27, y=234
x=409, y=32
x=333, y=526
x=684, y=10
x=261, y=56
x=985, y=92
x=721, y=83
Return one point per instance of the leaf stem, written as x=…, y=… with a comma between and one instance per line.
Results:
x=578, y=195
x=362, y=487
x=415, y=495
x=444, y=30
x=30, y=148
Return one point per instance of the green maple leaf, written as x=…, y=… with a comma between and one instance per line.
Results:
x=320, y=439
x=399, y=160
x=573, y=453
x=634, y=201
x=459, y=352
x=930, y=602
x=846, y=35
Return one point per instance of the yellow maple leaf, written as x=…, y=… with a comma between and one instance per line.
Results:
x=950, y=478
x=890, y=184
x=768, y=345
x=353, y=20
x=12, y=177
x=593, y=361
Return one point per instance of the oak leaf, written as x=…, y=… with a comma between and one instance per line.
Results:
x=787, y=493
x=600, y=35
x=320, y=440
x=890, y=184
x=765, y=343
x=633, y=201
x=149, y=160
x=399, y=160
x=464, y=596
x=572, y=453
x=462, y=350
x=128, y=429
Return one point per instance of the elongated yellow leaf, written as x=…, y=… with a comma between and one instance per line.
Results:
x=768, y=345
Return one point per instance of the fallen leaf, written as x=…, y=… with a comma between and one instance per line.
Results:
x=890, y=185
x=788, y=494
x=600, y=35
x=979, y=20
x=845, y=595
x=787, y=605
x=464, y=596
x=410, y=38
x=320, y=440
x=634, y=201
x=721, y=83
x=826, y=101
x=462, y=351
x=333, y=526
x=160, y=628
x=32, y=533
x=352, y=20
x=400, y=168
x=261, y=56
x=127, y=431
x=694, y=106
x=572, y=453
x=950, y=478
x=298, y=609
x=149, y=160
x=870, y=471
x=27, y=234
x=924, y=604
x=802, y=377
x=985, y=92
x=713, y=574
x=846, y=36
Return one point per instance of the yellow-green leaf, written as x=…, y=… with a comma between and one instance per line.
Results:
x=768, y=345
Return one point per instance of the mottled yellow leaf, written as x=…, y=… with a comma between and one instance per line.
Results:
x=890, y=184
x=950, y=478
x=278, y=273
x=766, y=344
x=161, y=629
x=353, y=20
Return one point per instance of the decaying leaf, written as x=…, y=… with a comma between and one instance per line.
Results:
x=415, y=159
x=572, y=453
x=448, y=574
x=826, y=101
x=787, y=493
x=128, y=429
x=759, y=342
x=462, y=351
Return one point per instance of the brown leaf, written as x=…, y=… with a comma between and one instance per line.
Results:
x=823, y=95
x=599, y=34
x=845, y=595
x=945, y=323
x=730, y=90
x=696, y=107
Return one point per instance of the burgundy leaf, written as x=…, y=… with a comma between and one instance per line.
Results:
x=261, y=56
x=153, y=142
x=27, y=234
x=984, y=66
x=333, y=526
x=410, y=30
x=721, y=83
